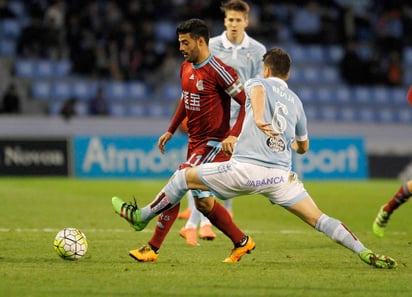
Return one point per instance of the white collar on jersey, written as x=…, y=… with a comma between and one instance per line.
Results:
x=227, y=44
x=281, y=81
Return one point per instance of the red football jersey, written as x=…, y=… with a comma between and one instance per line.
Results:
x=207, y=90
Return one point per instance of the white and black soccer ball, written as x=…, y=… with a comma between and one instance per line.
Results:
x=70, y=244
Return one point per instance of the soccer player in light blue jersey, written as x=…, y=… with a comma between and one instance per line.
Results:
x=274, y=126
x=245, y=54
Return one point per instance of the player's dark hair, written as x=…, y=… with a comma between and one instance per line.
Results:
x=236, y=5
x=195, y=27
x=278, y=61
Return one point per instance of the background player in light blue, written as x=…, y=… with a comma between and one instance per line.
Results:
x=245, y=54
x=274, y=126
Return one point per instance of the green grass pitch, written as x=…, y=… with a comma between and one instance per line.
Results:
x=290, y=259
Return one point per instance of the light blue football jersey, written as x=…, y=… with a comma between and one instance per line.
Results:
x=285, y=110
x=246, y=58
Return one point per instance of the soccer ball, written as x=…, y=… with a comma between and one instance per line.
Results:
x=70, y=244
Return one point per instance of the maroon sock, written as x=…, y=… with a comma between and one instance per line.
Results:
x=400, y=197
x=222, y=220
x=164, y=222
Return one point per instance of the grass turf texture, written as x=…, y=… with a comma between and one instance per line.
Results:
x=290, y=258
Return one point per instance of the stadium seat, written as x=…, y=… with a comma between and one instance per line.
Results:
x=325, y=95
x=329, y=74
x=17, y=7
x=24, y=68
x=170, y=92
x=43, y=68
x=348, y=114
x=158, y=110
x=117, y=109
x=307, y=95
x=41, y=89
x=315, y=53
x=84, y=89
x=367, y=114
x=137, y=90
x=7, y=47
x=407, y=54
x=398, y=96
x=404, y=115
x=362, y=95
x=10, y=28
x=386, y=115
x=62, y=68
x=328, y=113
x=334, y=53
x=115, y=91
x=343, y=94
x=61, y=90
x=381, y=95
x=136, y=110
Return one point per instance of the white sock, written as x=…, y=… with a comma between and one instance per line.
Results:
x=339, y=233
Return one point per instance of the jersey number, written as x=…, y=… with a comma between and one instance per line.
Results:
x=278, y=121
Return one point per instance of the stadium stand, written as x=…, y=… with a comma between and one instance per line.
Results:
x=54, y=74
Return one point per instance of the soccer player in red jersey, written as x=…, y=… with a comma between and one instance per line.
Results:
x=207, y=88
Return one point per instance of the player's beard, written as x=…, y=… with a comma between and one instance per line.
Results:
x=193, y=55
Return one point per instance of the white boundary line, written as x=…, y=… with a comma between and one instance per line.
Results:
x=93, y=230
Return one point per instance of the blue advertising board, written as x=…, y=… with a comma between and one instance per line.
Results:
x=333, y=158
x=139, y=157
x=126, y=157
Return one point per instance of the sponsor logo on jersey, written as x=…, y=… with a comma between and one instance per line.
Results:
x=199, y=85
x=276, y=144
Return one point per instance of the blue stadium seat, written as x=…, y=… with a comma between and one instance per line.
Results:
x=17, y=7
x=329, y=74
x=7, y=47
x=43, y=68
x=171, y=92
x=348, y=114
x=407, y=55
x=407, y=76
x=61, y=90
x=362, y=95
x=325, y=95
x=334, y=53
x=381, y=95
x=24, y=68
x=62, y=68
x=115, y=91
x=343, y=94
x=398, y=96
x=54, y=107
x=158, y=110
x=404, y=115
x=84, y=89
x=328, y=113
x=137, y=90
x=315, y=53
x=386, y=115
x=10, y=28
x=41, y=89
x=307, y=95
x=137, y=110
x=367, y=114
x=117, y=109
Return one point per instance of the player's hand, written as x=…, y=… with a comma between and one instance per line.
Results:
x=161, y=143
x=266, y=128
x=228, y=145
